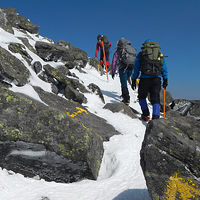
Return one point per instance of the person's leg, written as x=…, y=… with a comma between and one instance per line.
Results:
x=143, y=90
x=155, y=97
x=123, y=80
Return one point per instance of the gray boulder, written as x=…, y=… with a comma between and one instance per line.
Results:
x=37, y=67
x=70, y=87
x=63, y=128
x=12, y=69
x=121, y=107
x=20, y=48
x=53, y=52
x=187, y=107
x=80, y=56
x=27, y=44
x=170, y=157
x=62, y=51
x=95, y=89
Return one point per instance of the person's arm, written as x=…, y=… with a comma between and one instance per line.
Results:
x=136, y=67
x=114, y=63
x=164, y=74
x=164, y=71
x=97, y=49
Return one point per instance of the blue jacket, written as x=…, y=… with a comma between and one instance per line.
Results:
x=137, y=74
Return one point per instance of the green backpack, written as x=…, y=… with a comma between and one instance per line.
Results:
x=151, y=59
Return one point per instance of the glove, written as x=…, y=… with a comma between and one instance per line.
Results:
x=113, y=76
x=133, y=84
x=165, y=83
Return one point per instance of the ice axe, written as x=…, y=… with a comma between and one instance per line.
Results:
x=164, y=101
x=105, y=62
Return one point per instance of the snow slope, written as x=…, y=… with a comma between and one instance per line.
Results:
x=120, y=176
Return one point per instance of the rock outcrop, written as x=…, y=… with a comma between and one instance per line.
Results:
x=63, y=51
x=62, y=127
x=9, y=18
x=170, y=157
x=12, y=69
x=54, y=137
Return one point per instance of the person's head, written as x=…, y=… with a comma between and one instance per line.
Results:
x=99, y=37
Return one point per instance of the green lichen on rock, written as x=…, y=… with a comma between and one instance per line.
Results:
x=11, y=98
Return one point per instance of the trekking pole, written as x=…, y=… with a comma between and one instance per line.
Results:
x=105, y=62
x=164, y=101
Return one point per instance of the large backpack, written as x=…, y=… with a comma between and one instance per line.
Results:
x=105, y=40
x=127, y=53
x=151, y=59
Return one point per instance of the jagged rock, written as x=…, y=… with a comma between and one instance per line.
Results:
x=63, y=127
x=20, y=48
x=187, y=107
x=121, y=107
x=53, y=52
x=4, y=22
x=97, y=90
x=18, y=21
x=70, y=64
x=170, y=156
x=94, y=62
x=98, y=124
x=69, y=86
x=37, y=67
x=27, y=44
x=71, y=93
x=81, y=56
x=12, y=68
x=33, y=160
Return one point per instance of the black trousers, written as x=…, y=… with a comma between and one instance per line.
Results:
x=150, y=86
x=107, y=54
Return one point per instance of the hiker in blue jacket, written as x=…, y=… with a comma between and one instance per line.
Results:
x=150, y=69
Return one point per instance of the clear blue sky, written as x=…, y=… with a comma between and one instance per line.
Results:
x=175, y=24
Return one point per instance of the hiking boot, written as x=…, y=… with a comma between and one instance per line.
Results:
x=127, y=102
x=155, y=117
x=145, y=118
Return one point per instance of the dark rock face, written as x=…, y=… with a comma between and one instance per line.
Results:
x=17, y=21
x=80, y=56
x=4, y=22
x=121, y=107
x=37, y=67
x=27, y=44
x=71, y=88
x=187, y=107
x=12, y=68
x=170, y=155
x=63, y=51
x=64, y=127
x=35, y=160
x=19, y=48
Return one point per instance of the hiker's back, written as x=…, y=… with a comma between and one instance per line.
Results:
x=127, y=53
x=151, y=59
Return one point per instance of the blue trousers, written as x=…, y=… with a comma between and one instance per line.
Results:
x=124, y=75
